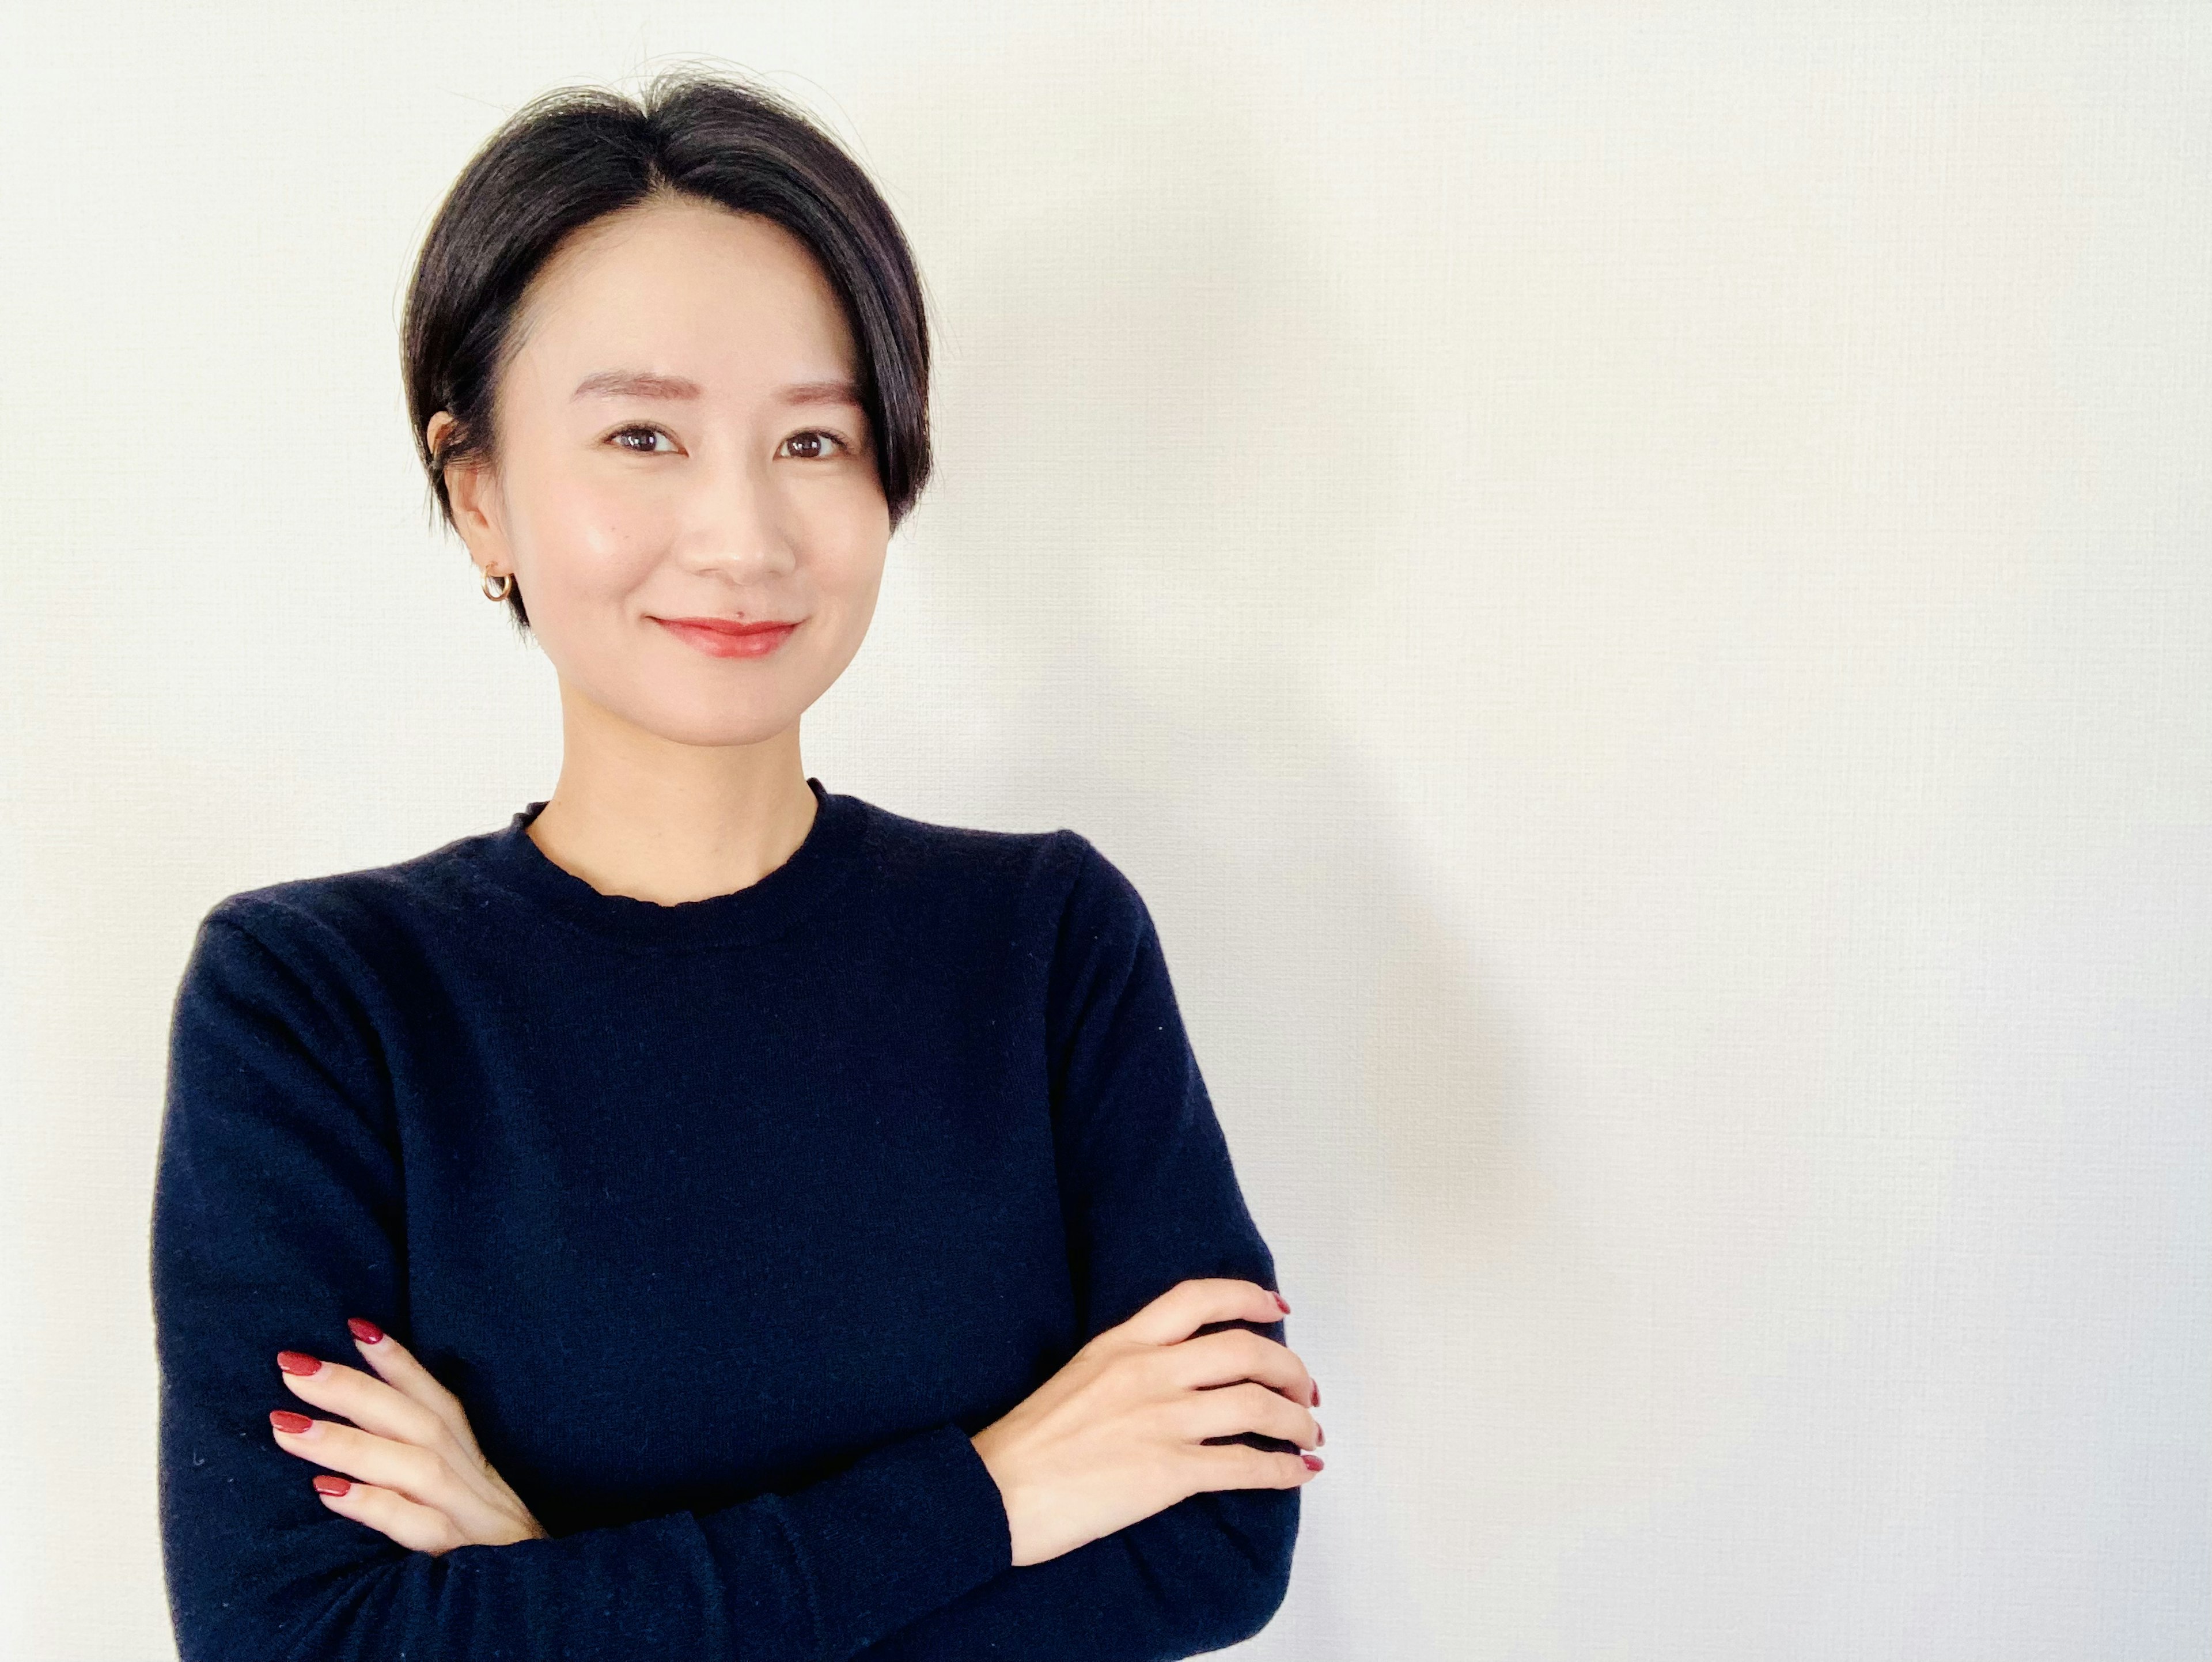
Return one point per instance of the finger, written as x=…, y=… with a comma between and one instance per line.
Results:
x=416, y=1527
x=1187, y=1305
x=405, y=1373
x=411, y=1406
x=370, y=1403
x=1234, y=1354
x=1236, y=1408
x=1239, y=1465
x=416, y=1474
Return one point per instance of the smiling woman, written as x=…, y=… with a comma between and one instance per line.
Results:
x=772, y=1227
x=659, y=520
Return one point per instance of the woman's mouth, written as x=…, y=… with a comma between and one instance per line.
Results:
x=722, y=637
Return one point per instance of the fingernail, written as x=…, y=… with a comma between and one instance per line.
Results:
x=330, y=1485
x=1284, y=1302
x=1320, y=1436
x=1313, y=1460
x=298, y=1362
x=284, y=1419
x=1316, y=1385
x=366, y=1333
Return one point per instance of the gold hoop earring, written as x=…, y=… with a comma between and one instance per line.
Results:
x=506, y=586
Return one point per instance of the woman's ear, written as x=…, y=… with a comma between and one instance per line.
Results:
x=473, y=493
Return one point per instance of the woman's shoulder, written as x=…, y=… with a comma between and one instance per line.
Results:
x=1060, y=878
x=336, y=921
x=1060, y=861
x=897, y=842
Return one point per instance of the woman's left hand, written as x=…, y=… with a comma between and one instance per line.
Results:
x=421, y=1479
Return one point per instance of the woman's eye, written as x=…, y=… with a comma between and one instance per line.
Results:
x=811, y=444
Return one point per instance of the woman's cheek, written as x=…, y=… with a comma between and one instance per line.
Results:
x=615, y=541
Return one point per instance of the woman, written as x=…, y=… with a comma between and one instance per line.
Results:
x=713, y=1216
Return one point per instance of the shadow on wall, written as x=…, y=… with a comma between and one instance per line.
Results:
x=1180, y=385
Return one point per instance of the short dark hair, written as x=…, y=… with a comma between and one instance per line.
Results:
x=577, y=154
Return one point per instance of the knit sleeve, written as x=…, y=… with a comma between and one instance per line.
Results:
x=279, y=1212
x=1150, y=1198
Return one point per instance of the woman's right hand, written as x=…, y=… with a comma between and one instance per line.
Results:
x=1118, y=1433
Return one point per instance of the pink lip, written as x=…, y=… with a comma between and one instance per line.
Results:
x=718, y=637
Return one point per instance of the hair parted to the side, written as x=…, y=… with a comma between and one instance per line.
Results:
x=577, y=154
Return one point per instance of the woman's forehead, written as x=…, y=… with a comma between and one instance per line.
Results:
x=686, y=310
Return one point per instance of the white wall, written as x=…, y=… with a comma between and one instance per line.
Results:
x=1631, y=583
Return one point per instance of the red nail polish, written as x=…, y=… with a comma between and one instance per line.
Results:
x=1313, y=1460
x=1284, y=1302
x=1320, y=1436
x=330, y=1485
x=366, y=1333
x=1316, y=1385
x=284, y=1419
x=298, y=1362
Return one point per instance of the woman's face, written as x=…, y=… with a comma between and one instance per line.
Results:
x=677, y=437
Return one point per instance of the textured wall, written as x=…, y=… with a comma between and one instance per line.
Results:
x=1632, y=584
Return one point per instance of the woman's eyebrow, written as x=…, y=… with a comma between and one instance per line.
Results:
x=821, y=392
x=644, y=384
x=635, y=384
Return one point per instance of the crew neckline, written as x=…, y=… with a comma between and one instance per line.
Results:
x=763, y=909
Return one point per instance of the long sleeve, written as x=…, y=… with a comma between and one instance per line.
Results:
x=1150, y=1198
x=279, y=1211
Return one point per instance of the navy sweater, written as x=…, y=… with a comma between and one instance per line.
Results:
x=728, y=1222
